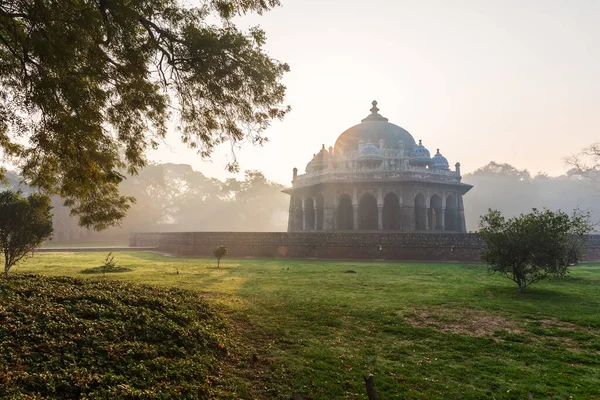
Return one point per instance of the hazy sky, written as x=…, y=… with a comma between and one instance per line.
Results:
x=509, y=81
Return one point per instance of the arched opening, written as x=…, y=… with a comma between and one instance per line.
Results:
x=345, y=217
x=297, y=214
x=320, y=212
x=391, y=212
x=420, y=213
x=367, y=213
x=451, y=214
x=436, y=214
x=309, y=209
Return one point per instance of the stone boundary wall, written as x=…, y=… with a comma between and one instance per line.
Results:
x=333, y=245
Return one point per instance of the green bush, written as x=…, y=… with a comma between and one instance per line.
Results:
x=109, y=266
x=530, y=247
x=69, y=338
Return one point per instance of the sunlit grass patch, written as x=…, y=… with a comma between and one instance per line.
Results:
x=423, y=330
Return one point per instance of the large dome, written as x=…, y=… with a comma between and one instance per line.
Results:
x=372, y=129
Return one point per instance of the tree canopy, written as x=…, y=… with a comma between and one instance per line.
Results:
x=87, y=86
x=531, y=246
x=587, y=162
x=514, y=191
x=24, y=225
x=219, y=253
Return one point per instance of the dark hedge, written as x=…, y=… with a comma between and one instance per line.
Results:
x=67, y=338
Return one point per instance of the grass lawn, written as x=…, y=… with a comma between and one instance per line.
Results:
x=424, y=331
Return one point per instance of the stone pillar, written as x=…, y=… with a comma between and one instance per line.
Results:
x=316, y=221
x=460, y=211
x=329, y=219
x=428, y=212
x=407, y=210
x=304, y=222
x=442, y=219
x=428, y=219
x=291, y=215
x=407, y=218
x=355, y=208
x=380, y=204
x=329, y=205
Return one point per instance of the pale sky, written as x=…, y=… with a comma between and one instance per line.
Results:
x=512, y=81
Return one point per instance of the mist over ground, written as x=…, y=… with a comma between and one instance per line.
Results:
x=513, y=191
x=174, y=197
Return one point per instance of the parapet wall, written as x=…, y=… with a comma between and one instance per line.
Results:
x=334, y=245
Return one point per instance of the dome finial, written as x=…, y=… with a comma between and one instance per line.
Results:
x=374, y=116
x=420, y=142
x=374, y=109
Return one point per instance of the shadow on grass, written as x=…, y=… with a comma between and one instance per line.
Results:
x=150, y=256
x=533, y=293
x=102, y=270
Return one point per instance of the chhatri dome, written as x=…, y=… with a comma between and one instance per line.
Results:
x=377, y=178
x=374, y=128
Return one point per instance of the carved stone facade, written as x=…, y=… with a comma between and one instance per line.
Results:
x=377, y=179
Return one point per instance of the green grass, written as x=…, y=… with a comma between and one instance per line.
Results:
x=423, y=330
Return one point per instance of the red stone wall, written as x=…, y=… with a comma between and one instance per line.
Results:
x=333, y=245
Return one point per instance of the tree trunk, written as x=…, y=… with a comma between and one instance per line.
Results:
x=6, y=263
x=218, y=263
x=522, y=287
x=370, y=388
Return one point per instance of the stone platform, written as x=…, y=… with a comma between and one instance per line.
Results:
x=464, y=247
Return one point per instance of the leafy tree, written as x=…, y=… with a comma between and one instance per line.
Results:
x=495, y=186
x=574, y=244
x=219, y=253
x=587, y=162
x=24, y=225
x=174, y=197
x=529, y=247
x=93, y=83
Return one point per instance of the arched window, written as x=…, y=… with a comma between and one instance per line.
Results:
x=298, y=215
x=309, y=210
x=420, y=213
x=435, y=213
x=391, y=212
x=345, y=216
x=320, y=212
x=451, y=214
x=367, y=213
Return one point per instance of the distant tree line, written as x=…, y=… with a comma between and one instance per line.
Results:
x=174, y=197
x=512, y=191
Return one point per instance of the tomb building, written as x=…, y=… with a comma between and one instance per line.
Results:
x=377, y=178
